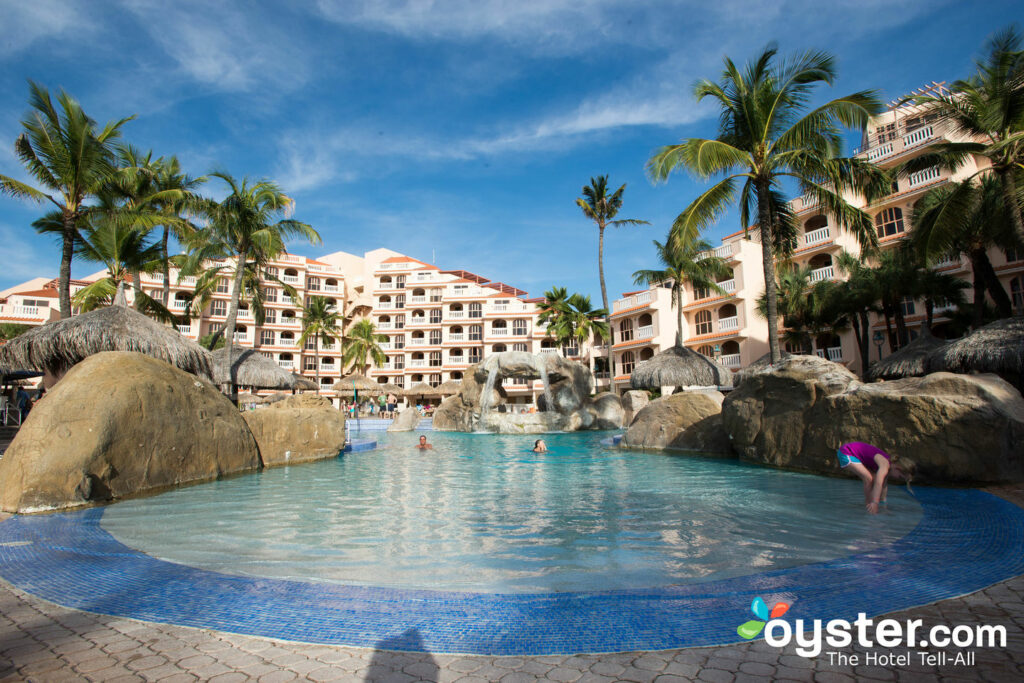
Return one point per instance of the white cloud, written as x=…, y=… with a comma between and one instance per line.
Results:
x=26, y=21
x=23, y=259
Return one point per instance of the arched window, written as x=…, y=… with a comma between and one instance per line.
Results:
x=476, y=310
x=628, y=362
x=500, y=348
x=476, y=332
x=815, y=223
x=626, y=330
x=499, y=324
x=287, y=338
x=707, y=350
x=727, y=311
x=455, y=374
x=455, y=355
x=703, y=322
x=398, y=341
x=730, y=347
x=645, y=320
x=519, y=328
x=646, y=353
x=889, y=221
x=435, y=337
x=435, y=380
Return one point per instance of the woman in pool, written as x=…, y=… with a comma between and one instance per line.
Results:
x=539, y=446
x=873, y=466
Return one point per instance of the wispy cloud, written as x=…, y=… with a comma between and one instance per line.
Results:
x=30, y=21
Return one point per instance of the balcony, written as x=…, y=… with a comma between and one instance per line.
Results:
x=632, y=301
x=184, y=329
x=722, y=252
x=729, y=324
x=26, y=311
x=386, y=305
x=417, y=320
x=904, y=140
x=645, y=332
x=833, y=353
x=386, y=326
x=245, y=313
x=925, y=176
x=242, y=337
x=418, y=299
x=386, y=346
x=729, y=286
x=188, y=280
x=456, y=336
x=454, y=315
x=730, y=360
x=331, y=288
x=418, y=363
x=418, y=341
x=386, y=285
x=817, y=236
x=286, y=364
x=826, y=273
x=290, y=279
x=500, y=332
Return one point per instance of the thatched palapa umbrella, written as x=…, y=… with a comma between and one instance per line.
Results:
x=250, y=399
x=249, y=368
x=679, y=366
x=449, y=388
x=421, y=389
x=355, y=384
x=997, y=347
x=910, y=361
x=58, y=345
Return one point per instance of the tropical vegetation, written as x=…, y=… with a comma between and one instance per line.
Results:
x=321, y=322
x=362, y=345
x=570, y=319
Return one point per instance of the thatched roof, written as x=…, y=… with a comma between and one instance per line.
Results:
x=449, y=388
x=910, y=361
x=421, y=389
x=357, y=382
x=60, y=344
x=250, y=368
x=246, y=399
x=680, y=367
x=997, y=347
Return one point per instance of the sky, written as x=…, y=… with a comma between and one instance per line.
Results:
x=459, y=132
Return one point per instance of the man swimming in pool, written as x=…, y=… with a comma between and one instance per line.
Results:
x=539, y=446
x=423, y=445
x=873, y=466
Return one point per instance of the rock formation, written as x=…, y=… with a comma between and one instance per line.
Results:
x=688, y=420
x=569, y=384
x=633, y=401
x=406, y=421
x=297, y=429
x=956, y=428
x=120, y=423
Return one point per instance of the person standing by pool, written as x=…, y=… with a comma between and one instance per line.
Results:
x=539, y=446
x=423, y=445
x=873, y=466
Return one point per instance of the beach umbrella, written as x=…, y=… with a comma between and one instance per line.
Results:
x=997, y=347
x=250, y=399
x=60, y=344
x=679, y=366
x=352, y=384
x=449, y=388
x=250, y=368
x=421, y=389
x=910, y=361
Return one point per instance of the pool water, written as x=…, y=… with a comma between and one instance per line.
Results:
x=482, y=513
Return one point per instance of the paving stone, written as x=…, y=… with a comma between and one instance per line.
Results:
x=757, y=669
x=564, y=674
x=278, y=676
x=519, y=677
x=716, y=676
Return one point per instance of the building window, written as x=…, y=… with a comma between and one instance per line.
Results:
x=628, y=361
x=476, y=332
x=400, y=322
x=703, y=321
x=889, y=222
x=218, y=307
x=222, y=286
x=398, y=362
x=1016, y=294
x=269, y=316
x=313, y=283
x=1012, y=255
x=907, y=304
x=309, y=364
x=400, y=301
x=435, y=359
x=270, y=295
x=435, y=316
x=519, y=328
x=475, y=354
x=435, y=380
x=435, y=337
x=400, y=283
x=701, y=293
x=519, y=346
x=500, y=348
x=707, y=350
x=267, y=337
x=398, y=341
x=476, y=311
x=626, y=330
x=270, y=272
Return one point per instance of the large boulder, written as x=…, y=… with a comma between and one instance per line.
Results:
x=300, y=428
x=606, y=409
x=633, y=401
x=687, y=421
x=956, y=428
x=406, y=421
x=118, y=424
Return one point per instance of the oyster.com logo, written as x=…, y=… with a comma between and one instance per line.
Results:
x=752, y=628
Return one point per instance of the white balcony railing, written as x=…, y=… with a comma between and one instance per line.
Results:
x=418, y=320
x=185, y=329
x=27, y=311
x=456, y=336
x=729, y=286
x=386, y=305
x=947, y=262
x=418, y=341
x=724, y=252
x=286, y=364
x=290, y=279
x=918, y=137
x=819, y=274
x=816, y=236
x=330, y=288
x=245, y=313
x=242, y=337
x=925, y=176
x=386, y=285
x=418, y=363
x=455, y=315
x=188, y=280
x=630, y=301
x=418, y=299
x=880, y=151
x=730, y=360
x=500, y=332
x=729, y=324
x=645, y=332
x=833, y=353
x=386, y=346
x=386, y=326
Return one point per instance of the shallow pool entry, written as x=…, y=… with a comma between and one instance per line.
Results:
x=497, y=550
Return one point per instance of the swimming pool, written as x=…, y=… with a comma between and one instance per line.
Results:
x=483, y=513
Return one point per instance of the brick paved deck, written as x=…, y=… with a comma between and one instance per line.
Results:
x=40, y=641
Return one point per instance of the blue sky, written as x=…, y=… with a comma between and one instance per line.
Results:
x=464, y=128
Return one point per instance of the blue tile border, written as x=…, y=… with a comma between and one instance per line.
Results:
x=356, y=445
x=966, y=540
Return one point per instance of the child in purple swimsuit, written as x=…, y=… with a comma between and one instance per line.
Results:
x=873, y=466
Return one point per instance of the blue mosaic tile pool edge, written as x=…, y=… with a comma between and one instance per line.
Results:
x=966, y=540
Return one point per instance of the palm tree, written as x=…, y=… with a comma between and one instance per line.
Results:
x=242, y=229
x=765, y=137
x=935, y=288
x=322, y=322
x=171, y=177
x=795, y=304
x=969, y=218
x=600, y=207
x=70, y=160
x=362, y=342
x=988, y=107
x=555, y=315
x=685, y=260
x=585, y=322
x=858, y=296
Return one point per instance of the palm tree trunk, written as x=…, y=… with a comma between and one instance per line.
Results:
x=604, y=295
x=1009, y=185
x=316, y=359
x=137, y=289
x=679, y=314
x=979, y=291
x=167, y=268
x=64, y=278
x=768, y=263
x=992, y=284
x=929, y=313
x=887, y=312
x=861, y=328
x=901, y=325
x=236, y=295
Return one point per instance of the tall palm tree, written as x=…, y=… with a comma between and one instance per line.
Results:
x=70, y=160
x=935, y=288
x=766, y=136
x=586, y=322
x=795, y=304
x=171, y=177
x=242, y=229
x=687, y=260
x=969, y=218
x=988, y=107
x=362, y=343
x=602, y=208
x=322, y=322
x=555, y=315
x=858, y=296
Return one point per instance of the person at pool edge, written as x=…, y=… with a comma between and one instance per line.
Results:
x=423, y=445
x=873, y=466
x=539, y=446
